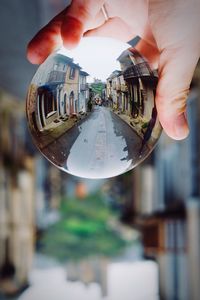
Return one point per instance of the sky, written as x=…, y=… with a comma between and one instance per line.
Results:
x=97, y=56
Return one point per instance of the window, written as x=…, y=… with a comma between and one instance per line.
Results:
x=72, y=73
x=48, y=103
x=55, y=67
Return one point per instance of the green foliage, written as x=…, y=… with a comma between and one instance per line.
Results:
x=97, y=88
x=83, y=230
x=145, y=125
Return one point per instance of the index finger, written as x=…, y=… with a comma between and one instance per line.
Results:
x=77, y=17
x=46, y=40
x=67, y=27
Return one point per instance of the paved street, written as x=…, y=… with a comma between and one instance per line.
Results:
x=102, y=145
x=49, y=280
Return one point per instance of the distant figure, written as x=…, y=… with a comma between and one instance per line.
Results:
x=149, y=129
x=89, y=105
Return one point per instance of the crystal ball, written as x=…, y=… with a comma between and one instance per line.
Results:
x=91, y=110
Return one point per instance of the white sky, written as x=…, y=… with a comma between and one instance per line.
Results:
x=97, y=56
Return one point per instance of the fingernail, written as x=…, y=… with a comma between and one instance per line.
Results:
x=181, y=127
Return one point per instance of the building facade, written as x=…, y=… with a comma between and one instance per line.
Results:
x=62, y=93
x=17, y=184
x=83, y=92
x=166, y=208
x=132, y=94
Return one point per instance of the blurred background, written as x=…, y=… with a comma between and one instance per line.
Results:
x=136, y=236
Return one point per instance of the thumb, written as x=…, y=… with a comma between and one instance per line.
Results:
x=79, y=14
x=176, y=68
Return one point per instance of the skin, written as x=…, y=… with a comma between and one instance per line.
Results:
x=170, y=40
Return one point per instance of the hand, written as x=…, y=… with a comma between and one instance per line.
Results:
x=170, y=40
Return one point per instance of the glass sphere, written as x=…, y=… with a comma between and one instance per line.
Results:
x=91, y=111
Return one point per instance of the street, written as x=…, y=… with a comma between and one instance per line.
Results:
x=117, y=280
x=100, y=146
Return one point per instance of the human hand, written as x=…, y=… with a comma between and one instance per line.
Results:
x=169, y=31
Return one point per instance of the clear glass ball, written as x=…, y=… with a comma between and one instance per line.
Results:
x=91, y=111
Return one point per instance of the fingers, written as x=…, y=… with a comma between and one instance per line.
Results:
x=176, y=68
x=113, y=28
x=77, y=18
x=67, y=27
x=45, y=41
x=150, y=52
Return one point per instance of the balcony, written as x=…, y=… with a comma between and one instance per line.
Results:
x=139, y=70
x=55, y=76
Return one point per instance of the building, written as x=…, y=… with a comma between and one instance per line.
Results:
x=60, y=94
x=163, y=202
x=141, y=82
x=61, y=77
x=132, y=92
x=133, y=88
x=83, y=91
x=51, y=105
x=30, y=193
x=71, y=88
x=113, y=89
x=17, y=184
x=166, y=209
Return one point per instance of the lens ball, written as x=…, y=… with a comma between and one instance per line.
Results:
x=91, y=111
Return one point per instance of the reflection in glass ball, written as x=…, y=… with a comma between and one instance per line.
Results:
x=91, y=111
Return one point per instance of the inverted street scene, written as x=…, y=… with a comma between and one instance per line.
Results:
x=94, y=118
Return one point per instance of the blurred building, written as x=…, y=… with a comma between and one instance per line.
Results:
x=17, y=184
x=30, y=191
x=170, y=201
x=165, y=207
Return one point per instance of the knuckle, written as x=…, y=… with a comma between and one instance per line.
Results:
x=172, y=104
x=81, y=12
